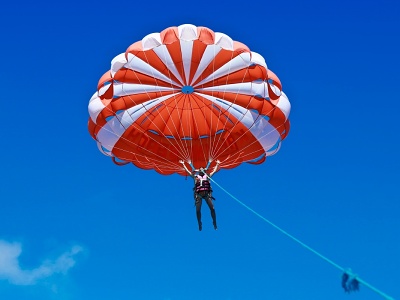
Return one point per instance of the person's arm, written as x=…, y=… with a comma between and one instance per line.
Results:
x=215, y=168
x=184, y=166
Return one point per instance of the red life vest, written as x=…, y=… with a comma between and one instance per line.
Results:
x=202, y=184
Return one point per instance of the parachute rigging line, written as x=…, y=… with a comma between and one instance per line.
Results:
x=349, y=280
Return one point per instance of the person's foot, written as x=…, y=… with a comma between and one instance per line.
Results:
x=200, y=226
x=215, y=225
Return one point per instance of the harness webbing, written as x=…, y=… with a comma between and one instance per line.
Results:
x=347, y=271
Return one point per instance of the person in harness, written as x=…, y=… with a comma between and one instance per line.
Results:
x=202, y=190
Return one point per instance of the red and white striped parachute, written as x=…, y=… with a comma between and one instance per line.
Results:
x=188, y=93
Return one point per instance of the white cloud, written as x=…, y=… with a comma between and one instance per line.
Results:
x=11, y=270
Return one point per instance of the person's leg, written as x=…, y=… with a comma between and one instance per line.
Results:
x=198, y=201
x=212, y=209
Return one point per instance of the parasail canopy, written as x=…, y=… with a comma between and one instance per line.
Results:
x=188, y=93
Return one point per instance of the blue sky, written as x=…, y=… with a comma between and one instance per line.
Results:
x=75, y=226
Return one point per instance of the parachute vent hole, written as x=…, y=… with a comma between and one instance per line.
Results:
x=187, y=89
x=154, y=132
